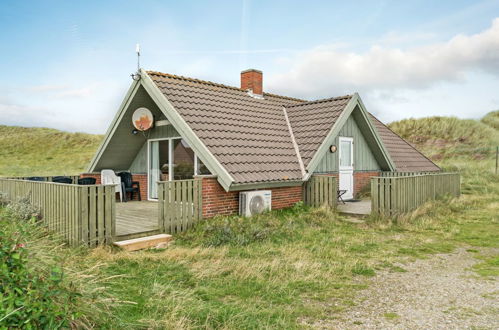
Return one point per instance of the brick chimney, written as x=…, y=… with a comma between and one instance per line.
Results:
x=252, y=79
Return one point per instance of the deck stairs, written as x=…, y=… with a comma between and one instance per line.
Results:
x=147, y=242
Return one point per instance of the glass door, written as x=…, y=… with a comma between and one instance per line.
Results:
x=159, y=156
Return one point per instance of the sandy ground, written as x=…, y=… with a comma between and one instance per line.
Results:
x=440, y=292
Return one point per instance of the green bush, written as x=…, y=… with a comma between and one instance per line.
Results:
x=30, y=298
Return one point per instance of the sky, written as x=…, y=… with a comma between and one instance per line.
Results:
x=67, y=64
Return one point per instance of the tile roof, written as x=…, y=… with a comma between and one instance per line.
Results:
x=250, y=137
x=312, y=121
x=404, y=155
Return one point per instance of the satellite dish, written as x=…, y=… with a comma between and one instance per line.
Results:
x=256, y=205
x=142, y=119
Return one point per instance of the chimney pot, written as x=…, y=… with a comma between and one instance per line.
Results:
x=252, y=79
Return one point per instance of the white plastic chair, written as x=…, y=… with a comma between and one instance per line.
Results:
x=108, y=177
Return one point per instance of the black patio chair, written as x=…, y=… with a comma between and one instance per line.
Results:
x=129, y=185
x=340, y=195
x=62, y=179
x=86, y=181
x=36, y=178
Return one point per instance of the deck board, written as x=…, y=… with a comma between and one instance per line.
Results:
x=136, y=217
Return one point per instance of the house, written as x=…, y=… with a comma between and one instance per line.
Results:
x=242, y=138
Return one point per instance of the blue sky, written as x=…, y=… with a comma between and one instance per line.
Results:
x=67, y=64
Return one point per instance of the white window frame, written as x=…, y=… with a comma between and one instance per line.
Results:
x=352, y=161
x=170, y=161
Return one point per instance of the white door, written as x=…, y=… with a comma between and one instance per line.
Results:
x=346, y=166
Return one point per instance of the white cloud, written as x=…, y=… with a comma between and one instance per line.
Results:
x=326, y=71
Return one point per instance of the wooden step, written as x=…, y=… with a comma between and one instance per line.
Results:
x=143, y=242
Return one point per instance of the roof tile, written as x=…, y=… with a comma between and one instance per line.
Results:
x=250, y=136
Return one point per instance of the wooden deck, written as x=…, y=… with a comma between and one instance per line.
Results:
x=136, y=217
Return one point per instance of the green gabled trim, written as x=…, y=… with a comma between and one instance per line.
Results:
x=314, y=162
x=114, y=124
x=264, y=185
x=209, y=160
x=335, y=130
x=376, y=136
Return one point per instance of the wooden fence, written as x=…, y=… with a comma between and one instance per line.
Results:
x=45, y=178
x=321, y=190
x=398, y=174
x=81, y=214
x=395, y=195
x=180, y=205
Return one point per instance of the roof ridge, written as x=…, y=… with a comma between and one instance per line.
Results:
x=348, y=96
x=207, y=82
x=286, y=97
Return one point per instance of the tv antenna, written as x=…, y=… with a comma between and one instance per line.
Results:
x=136, y=76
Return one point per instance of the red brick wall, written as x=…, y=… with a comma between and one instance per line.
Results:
x=362, y=179
x=216, y=201
x=141, y=178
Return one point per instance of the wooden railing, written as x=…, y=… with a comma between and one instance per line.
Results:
x=395, y=195
x=180, y=205
x=320, y=190
x=81, y=214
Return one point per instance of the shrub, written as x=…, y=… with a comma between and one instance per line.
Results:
x=23, y=209
x=30, y=298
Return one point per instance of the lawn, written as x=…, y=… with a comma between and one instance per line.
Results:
x=284, y=269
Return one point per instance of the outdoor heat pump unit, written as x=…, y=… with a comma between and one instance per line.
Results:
x=254, y=202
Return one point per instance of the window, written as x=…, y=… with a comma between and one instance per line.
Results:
x=183, y=160
x=345, y=153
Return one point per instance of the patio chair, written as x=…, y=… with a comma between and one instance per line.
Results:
x=340, y=195
x=36, y=178
x=129, y=185
x=86, y=181
x=62, y=179
x=108, y=177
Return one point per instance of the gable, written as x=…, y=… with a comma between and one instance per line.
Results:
x=364, y=159
x=312, y=121
x=122, y=145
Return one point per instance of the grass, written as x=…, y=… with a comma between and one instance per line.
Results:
x=29, y=151
x=391, y=316
x=284, y=269
x=492, y=119
x=489, y=266
x=446, y=137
